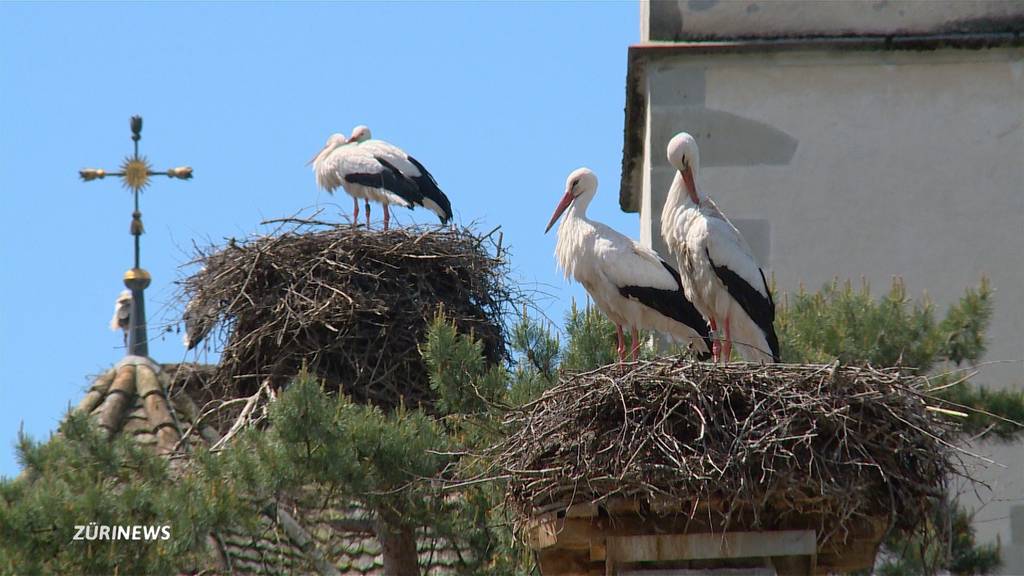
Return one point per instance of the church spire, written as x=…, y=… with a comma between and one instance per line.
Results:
x=135, y=173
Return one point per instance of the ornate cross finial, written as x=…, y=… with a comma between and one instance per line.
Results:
x=135, y=174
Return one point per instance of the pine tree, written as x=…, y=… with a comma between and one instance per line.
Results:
x=841, y=323
x=536, y=357
x=850, y=325
x=328, y=443
x=79, y=478
x=591, y=339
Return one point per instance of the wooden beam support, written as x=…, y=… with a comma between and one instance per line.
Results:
x=670, y=547
x=542, y=531
x=588, y=510
x=566, y=533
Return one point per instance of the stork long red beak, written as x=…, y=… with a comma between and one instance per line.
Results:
x=691, y=186
x=562, y=205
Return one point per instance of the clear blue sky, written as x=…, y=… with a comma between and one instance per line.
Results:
x=500, y=101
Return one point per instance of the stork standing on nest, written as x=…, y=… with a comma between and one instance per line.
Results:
x=630, y=283
x=328, y=178
x=376, y=170
x=719, y=272
x=122, y=314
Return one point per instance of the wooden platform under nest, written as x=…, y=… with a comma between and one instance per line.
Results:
x=629, y=536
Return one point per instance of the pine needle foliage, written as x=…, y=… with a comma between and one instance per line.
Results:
x=1007, y=404
x=965, y=325
x=80, y=478
x=462, y=378
x=535, y=345
x=399, y=465
x=963, y=556
x=356, y=448
x=842, y=323
x=592, y=339
x=536, y=354
x=346, y=451
x=849, y=325
x=465, y=383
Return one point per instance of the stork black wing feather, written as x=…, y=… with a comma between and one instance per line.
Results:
x=759, y=307
x=429, y=188
x=391, y=179
x=671, y=303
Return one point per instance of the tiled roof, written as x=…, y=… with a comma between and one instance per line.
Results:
x=132, y=398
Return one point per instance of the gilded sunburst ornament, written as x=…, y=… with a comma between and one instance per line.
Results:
x=136, y=172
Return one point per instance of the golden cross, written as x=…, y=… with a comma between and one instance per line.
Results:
x=135, y=173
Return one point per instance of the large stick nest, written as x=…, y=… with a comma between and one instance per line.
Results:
x=753, y=443
x=351, y=305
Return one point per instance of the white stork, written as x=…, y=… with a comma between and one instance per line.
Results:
x=720, y=274
x=328, y=178
x=122, y=313
x=376, y=170
x=631, y=284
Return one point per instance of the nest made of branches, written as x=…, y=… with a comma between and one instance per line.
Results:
x=351, y=305
x=754, y=444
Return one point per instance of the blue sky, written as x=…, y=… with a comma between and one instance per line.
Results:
x=500, y=101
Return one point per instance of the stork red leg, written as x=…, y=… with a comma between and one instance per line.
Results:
x=367, y=214
x=387, y=217
x=727, y=343
x=355, y=211
x=716, y=344
x=622, y=345
x=636, y=343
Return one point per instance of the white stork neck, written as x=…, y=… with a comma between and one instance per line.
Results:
x=580, y=204
x=572, y=235
x=677, y=193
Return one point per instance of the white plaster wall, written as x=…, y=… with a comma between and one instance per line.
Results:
x=867, y=164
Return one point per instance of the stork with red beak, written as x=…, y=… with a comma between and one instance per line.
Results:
x=630, y=283
x=720, y=275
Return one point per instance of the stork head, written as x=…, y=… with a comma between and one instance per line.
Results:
x=582, y=183
x=333, y=142
x=360, y=133
x=684, y=156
